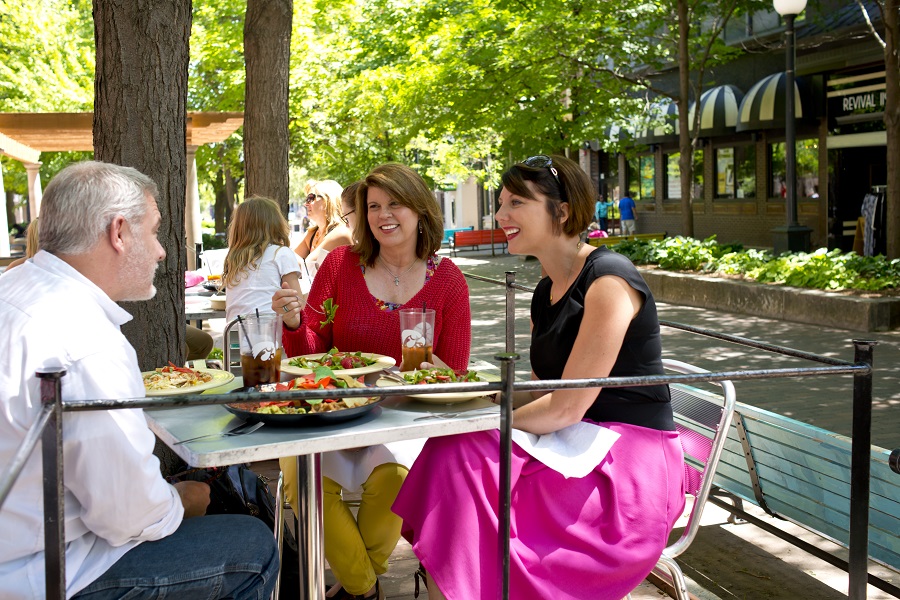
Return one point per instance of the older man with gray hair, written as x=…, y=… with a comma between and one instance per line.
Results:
x=128, y=532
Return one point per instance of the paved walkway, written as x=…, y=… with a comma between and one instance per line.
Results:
x=721, y=559
x=822, y=401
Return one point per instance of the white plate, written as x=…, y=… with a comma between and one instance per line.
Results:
x=381, y=362
x=448, y=398
x=219, y=378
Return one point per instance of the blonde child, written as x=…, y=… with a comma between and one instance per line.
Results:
x=259, y=257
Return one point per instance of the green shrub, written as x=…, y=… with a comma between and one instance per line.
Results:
x=213, y=242
x=822, y=269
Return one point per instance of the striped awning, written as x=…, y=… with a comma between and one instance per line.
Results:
x=613, y=135
x=662, y=124
x=763, y=106
x=718, y=110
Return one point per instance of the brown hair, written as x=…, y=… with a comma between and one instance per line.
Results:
x=255, y=224
x=574, y=187
x=407, y=187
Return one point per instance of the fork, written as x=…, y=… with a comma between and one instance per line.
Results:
x=240, y=429
x=484, y=410
x=388, y=374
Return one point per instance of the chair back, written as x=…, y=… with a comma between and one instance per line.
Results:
x=703, y=420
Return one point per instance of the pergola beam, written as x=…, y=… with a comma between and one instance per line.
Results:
x=23, y=136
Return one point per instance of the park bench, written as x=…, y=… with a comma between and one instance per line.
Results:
x=615, y=239
x=801, y=473
x=476, y=238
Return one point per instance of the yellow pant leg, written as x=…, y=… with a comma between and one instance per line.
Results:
x=356, y=550
x=378, y=525
x=344, y=547
x=288, y=467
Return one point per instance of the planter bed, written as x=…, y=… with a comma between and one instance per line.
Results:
x=816, y=307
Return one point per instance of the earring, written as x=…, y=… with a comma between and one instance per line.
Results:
x=420, y=226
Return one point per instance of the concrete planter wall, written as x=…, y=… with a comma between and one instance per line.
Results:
x=799, y=305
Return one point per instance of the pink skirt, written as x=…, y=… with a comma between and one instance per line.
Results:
x=594, y=538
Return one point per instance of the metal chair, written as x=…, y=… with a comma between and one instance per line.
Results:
x=226, y=346
x=703, y=420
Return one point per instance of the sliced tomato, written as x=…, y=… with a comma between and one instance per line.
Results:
x=277, y=403
x=179, y=369
x=284, y=386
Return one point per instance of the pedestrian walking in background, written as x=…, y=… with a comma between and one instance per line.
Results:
x=627, y=214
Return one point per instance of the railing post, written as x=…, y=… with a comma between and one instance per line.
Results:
x=510, y=312
x=507, y=376
x=54, y=493
x=860, y=467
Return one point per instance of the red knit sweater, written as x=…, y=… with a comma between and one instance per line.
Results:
x=359, y=325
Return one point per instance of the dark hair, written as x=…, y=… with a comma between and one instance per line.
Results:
x=408, y=188
x=579, y=193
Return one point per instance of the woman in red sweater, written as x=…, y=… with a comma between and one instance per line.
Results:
x=392, y=265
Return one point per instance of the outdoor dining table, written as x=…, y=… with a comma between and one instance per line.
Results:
x=396, y=418
x=197, y=306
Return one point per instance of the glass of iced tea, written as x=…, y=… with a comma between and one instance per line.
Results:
x=260, y=336
x=416, y=337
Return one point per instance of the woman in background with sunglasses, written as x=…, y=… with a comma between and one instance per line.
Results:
x=323, y=207
x=595, y=533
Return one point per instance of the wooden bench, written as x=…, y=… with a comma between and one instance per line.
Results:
x=476, y=238
x=615, y=239
x=801, y=473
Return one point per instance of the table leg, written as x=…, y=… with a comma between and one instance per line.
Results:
x=310, y=539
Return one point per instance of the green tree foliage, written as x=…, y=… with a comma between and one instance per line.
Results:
x=48, y=50
x=48, y=65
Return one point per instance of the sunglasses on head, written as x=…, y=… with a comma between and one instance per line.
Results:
x=542, y=161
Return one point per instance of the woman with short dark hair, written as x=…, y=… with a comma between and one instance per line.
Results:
x=595, y=533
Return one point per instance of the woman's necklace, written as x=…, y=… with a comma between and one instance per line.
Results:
x=397, y=277
x=571, y=266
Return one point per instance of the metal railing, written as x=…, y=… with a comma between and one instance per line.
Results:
x=48, y=429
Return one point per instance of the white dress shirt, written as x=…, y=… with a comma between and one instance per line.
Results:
x=257, y=285
x=115, y=497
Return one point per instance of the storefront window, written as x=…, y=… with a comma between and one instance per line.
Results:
x=807, y=170
x=648, y=178
x=736, y=172
x=642, y=177
x=673, y=175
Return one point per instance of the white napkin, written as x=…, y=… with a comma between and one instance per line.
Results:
x=573, y=451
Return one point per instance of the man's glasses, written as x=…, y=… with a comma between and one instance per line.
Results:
x=542, y=161
x=345, y=215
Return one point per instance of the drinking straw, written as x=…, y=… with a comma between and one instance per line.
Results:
x=424, y=324
x=244, y=331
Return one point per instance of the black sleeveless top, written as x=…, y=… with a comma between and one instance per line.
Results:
x=556, y=327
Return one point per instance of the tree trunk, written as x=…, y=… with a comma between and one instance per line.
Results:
x=267, y=50
x=140, y=95
x=686, y=152
x=219, y=188
x=892, y=125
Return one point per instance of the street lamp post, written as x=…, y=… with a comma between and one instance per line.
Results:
x=793, y=236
